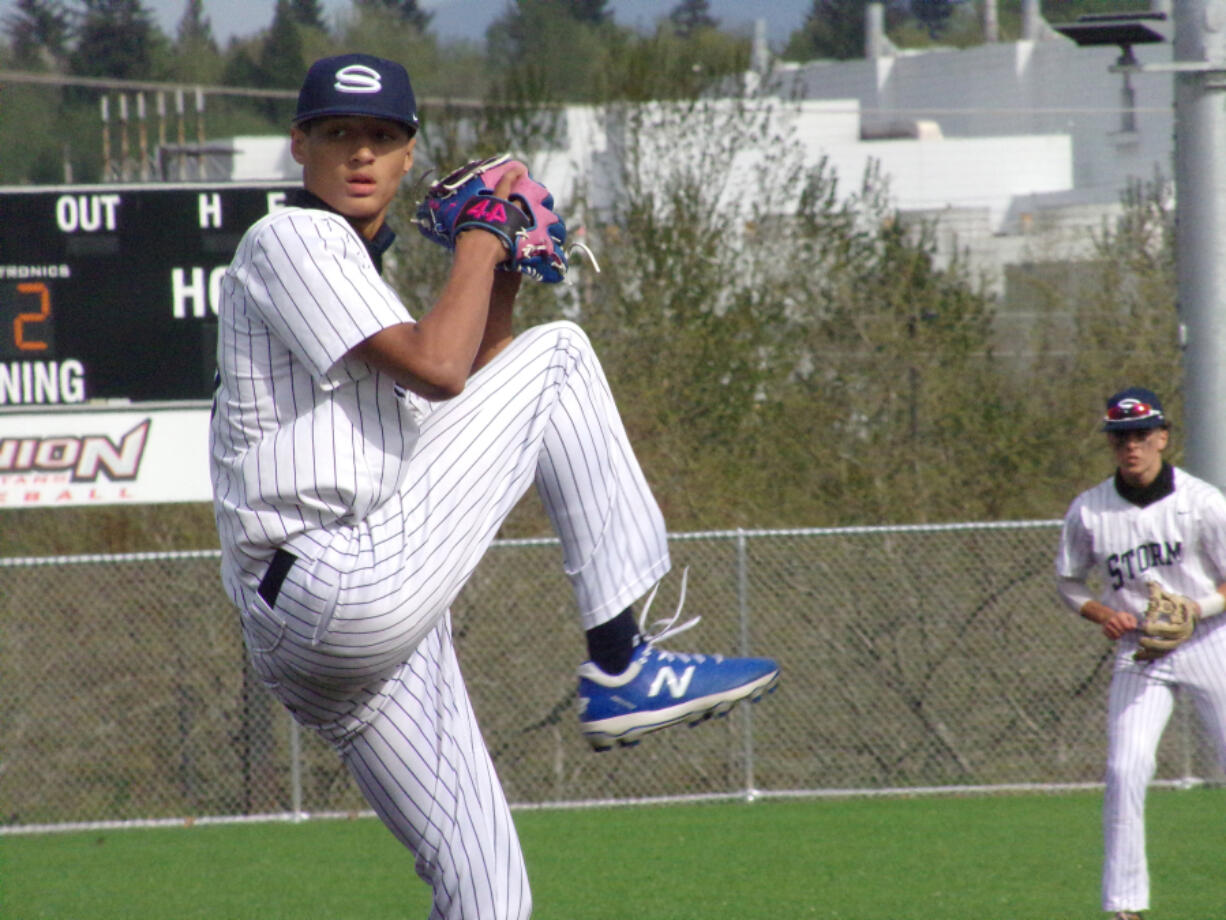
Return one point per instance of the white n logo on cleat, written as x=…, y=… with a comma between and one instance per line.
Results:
x=676, y=685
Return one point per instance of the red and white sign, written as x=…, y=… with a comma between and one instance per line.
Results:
x=104, y=455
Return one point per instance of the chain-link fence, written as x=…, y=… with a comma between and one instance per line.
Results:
x=912, y=657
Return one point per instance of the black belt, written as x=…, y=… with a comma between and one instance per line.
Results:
x=270, y=584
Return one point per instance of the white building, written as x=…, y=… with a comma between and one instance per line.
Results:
x=1120, y=129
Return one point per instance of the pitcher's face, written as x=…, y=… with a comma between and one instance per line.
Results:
x=355, y=164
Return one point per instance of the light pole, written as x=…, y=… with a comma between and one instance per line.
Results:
x=1199, y=68
x=1200, y=229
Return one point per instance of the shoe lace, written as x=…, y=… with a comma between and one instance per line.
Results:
x=666, y=628
x=585, y=250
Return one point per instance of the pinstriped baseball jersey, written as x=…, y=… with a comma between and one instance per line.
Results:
x=302, y=436
x=1179, y=541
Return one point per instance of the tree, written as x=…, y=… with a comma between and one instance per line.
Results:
x=115, y=38
x=408, y=11
x=242, y=66
x=782, y=351
x=594, y=12
x=308, y=13
x=1103, y=325
x=834, y=29
x=195, y=31
x=601, y=62
x=691, y=16
x=38, y=31
x=667, y=65
x=912, y=438
x=281, y=60
x=545, y=50
x=196, y=58
x=934, y=14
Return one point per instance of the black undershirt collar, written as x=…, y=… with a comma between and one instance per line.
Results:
x=384, y=236
x=1143, y=496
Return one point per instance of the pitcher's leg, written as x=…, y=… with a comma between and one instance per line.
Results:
x=361, y=597
x=423, y=766
x=613, y=537
x=540, y=411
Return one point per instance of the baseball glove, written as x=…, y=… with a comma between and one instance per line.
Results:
x=1169, y=621
x=534, y=235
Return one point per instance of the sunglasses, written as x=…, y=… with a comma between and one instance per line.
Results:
x=1131, y=409
x=1127, y=437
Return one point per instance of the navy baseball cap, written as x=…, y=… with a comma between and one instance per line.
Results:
x=1133, y=408
x=357, y=84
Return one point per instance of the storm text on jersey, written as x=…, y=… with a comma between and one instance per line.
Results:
x=1128, y=565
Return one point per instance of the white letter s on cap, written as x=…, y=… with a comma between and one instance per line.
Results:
x=358, y=78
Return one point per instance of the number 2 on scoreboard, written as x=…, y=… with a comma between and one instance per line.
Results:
x=21, y=338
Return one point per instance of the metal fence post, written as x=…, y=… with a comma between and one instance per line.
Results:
x=1187, y=745
x=742, y=605
x=295, y=769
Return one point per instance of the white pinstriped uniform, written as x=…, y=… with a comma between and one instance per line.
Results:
x=389, y=502
x=1180, y=542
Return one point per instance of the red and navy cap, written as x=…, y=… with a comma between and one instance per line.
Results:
x=1133, y=408
x=357, y=84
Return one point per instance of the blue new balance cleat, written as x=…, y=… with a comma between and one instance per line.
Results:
x=661, y=688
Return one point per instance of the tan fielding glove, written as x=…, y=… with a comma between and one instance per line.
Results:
x=1169, y=621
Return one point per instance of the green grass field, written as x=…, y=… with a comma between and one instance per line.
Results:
x=1021, y=857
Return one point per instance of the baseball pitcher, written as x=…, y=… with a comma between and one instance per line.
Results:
x=363, y=459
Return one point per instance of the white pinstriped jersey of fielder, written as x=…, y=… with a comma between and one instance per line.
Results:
x=1180, y=542
x=389, y=502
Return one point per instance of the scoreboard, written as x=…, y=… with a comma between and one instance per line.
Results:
x=109, y=292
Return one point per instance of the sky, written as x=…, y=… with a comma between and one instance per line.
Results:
x=469, y=18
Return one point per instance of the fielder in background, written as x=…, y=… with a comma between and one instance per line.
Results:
x=364, y=460
x=1154, y=536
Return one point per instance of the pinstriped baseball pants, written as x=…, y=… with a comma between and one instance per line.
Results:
x=1141, y=700
x=358, y=643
